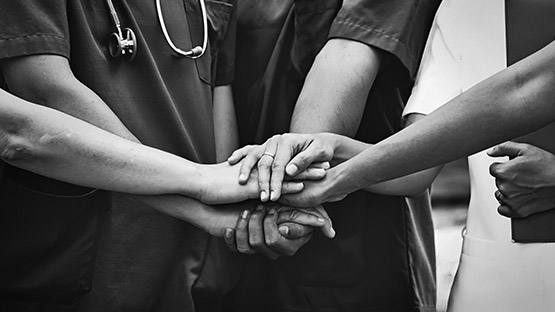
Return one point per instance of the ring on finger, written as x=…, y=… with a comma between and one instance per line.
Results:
x=268, y=154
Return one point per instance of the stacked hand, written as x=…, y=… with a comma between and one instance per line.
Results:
x=275, y=230
x=525, y=183
x=290, y=156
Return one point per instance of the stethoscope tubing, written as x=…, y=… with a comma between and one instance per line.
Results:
x=195, y=52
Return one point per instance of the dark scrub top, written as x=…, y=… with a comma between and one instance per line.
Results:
x=137, y=258
x=382, y=258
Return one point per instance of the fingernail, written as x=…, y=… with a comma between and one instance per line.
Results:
x=259, y=208
x=321, y=220
x=272, y=211
x=283, y=230
x=292, y=169
x=242, y=177
x=263, y=196
x=245, y=214
x=332, y=232
x=228, y=233
x=273, y=195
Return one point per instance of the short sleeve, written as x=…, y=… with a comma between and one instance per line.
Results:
x=439, y=77
x=399, y=27
x=34, y=27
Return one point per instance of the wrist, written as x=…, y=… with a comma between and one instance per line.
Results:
x=200, y=178
x=339, y=184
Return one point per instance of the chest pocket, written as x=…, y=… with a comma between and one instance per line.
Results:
x=219, y=16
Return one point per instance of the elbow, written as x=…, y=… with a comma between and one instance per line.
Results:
x=15, y=150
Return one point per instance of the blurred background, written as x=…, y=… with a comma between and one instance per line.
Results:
x=450, y=196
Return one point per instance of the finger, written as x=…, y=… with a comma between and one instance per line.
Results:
x=271, y=232
x=509, y=148
x=249, y=163
x=301, y=217
x=305, y=158
x=292, y=230
x=277, y=242
x=320, y=164
x=284, y=153
x=257, y=238
x=507, y=212
x=496, y=170
x=265, y=168
x=310, y=174
x=229, y=238
x=238, y=154
x=242, y=234
x=327, y=229
x=291, y=187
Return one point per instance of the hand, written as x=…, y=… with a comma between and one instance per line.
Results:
x=525, y=183
x=276, y=231
x=315, y=192
x=220, y=185
x=302, y=156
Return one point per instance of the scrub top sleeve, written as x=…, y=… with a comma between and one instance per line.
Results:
x=225, y=66
x=399, y=27
x=439, y=77
x=34, y=27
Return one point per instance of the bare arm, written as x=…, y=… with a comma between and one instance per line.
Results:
x=53, y=144
x=334, y=94
x=48, y=80
x=225, y=123
x=514, y=102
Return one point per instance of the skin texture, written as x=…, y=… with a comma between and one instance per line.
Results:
x=526, y=182
x=85, y=152
x=516, y=101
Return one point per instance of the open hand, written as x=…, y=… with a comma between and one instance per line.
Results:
x=298, y=156
x=220, y=185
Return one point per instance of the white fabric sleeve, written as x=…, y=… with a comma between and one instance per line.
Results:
x=439, y=78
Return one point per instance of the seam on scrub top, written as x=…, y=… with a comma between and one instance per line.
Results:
x=376, y=31
x=30, y=36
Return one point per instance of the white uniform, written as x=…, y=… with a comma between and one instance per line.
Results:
x=466, y=45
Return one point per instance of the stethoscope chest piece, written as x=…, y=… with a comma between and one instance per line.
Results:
x=123, y=44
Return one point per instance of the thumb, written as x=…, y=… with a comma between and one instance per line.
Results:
x=510, y=149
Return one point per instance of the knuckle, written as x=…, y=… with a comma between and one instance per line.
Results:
x=255, y=243
x=243, y=250
x=271, y=241
x=276, y=166
x=264, y=164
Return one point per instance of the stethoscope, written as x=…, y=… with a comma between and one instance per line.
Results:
x=126, y=46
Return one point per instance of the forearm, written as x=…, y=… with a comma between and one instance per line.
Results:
x=213, y=220
x=59, y=146
x=336, y=88
x=225, y=123
x=513, y=102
